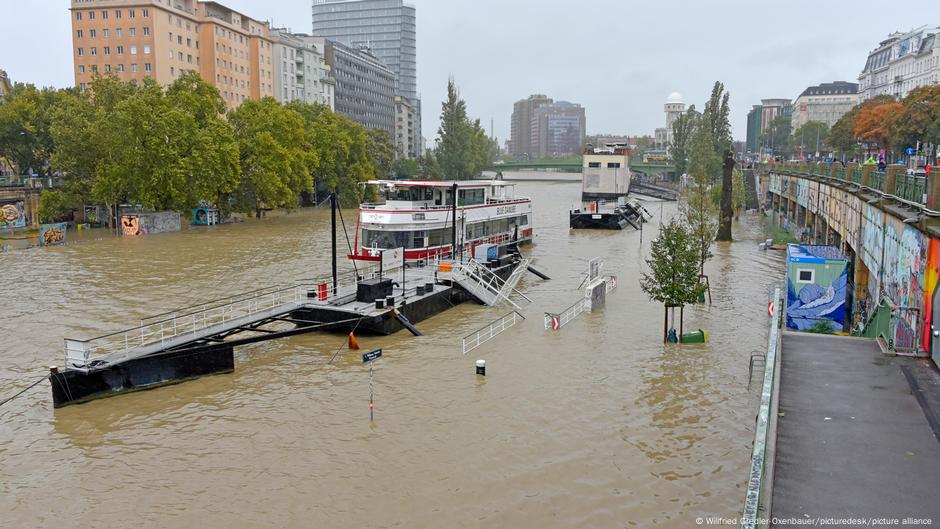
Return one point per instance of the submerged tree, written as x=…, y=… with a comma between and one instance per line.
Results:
x=727, y=206
x=463, y=148
x=683, y=129
x=673, y=276
x=698, y=207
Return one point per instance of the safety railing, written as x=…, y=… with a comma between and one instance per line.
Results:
x=191, y=325
x=910, y=187
x=755, y=483
x=557, y=321
x=487, y=333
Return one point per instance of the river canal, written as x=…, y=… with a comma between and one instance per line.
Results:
x=597, y=425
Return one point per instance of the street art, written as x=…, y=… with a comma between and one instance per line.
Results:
x=91, y=215
x=904, y=261
x=203, y=216
x=852, y=207
x=802, y=192
x=130, y=224
x=52, y=234
x=12, y=215
x=817, y=280
x=872, y=237
x=931, y=277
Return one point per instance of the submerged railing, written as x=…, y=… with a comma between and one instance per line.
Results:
x=487, y=333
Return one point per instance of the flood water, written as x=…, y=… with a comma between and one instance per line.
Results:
x=596, y=425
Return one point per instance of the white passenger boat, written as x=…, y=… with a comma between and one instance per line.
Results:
x=418, y=215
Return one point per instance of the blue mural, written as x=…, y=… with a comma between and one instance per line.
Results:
x=817, y=280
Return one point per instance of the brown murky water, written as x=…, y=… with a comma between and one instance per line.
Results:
x=598, y=425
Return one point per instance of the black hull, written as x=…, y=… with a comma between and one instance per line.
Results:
x=606, y=221
x=147, y=372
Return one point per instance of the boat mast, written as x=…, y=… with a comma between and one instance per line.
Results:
x=453, y=225
x=333, y=236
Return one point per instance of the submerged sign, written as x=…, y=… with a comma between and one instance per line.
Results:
x=371, y=355
x=52, y=234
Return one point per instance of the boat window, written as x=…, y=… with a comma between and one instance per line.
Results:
x=613, y=164
x=594, y=164
x=385, y=239
x=410, y=194
x=470, y=197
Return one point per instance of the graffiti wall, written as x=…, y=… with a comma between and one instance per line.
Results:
x=802, y=192
x=12, y=214
x=872, y=237
x=52, y=234
x=905, y=259
x=150, y=223
x=931, y=277
x=817, y=281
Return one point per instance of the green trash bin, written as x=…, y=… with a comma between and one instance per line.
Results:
x=698, y=336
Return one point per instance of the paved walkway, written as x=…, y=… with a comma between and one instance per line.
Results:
x=852, y=439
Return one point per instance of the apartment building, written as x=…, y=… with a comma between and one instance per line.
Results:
x=300, y=69
x=162, y=39
x=405, y=118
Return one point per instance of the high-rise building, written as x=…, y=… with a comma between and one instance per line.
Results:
x=825, y=103
x=520, y=135
x=770, y=110
x=901, y=63
x=674, y=108
x=365, y=88
x=405, y=146
x=754, y=129
x=557, y=129
x=387, y=28
x=300, y=70
x=136, y=39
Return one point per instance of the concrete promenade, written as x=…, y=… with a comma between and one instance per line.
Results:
x=853, y=437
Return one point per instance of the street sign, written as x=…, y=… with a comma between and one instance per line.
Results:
x=771, y=308
x=909, y=151
x=371, y=355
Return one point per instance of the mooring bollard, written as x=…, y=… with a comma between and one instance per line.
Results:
x=481, y=367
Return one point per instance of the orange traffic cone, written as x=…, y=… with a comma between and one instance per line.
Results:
x=353, y=344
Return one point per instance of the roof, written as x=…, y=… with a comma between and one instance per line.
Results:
x=446, y=184
x=798, y=253
x=674, y=97
x=834, y=88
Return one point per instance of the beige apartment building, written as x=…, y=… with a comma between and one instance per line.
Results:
x=162, y=39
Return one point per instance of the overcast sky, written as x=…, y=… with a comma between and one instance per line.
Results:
x=620, y=59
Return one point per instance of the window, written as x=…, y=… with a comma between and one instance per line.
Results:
x=78, y=34
x=805, y=275
x=81, y=52
x=107, y=67
x=78, y=15
x=611, y=165
x=94, y=51
x=81, y=68
x=119, y=32
x=91, y=15
x=92, y=33
x=146, y=30
x=189, y=59
x=120, y=67
x=134, y=68
x=120, y=50
x=594, y=164
x=146, y=49
x=145, y=13
x=117, y=13
x=147, y=67
x=130, y=13
x=133, y=50
x=179, y=40
x=107, y=50
x=105, y=33
x=132, y=32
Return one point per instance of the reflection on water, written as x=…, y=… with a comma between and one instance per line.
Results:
x=598, y=425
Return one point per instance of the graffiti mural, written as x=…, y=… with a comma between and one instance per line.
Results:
x=872, y=237
x=817, y=280
x=853, y=219
x=203, y=216
x=52, y=234
x=130, y=224
x=905, y=257
x=931, y=277
x=802, y=192
x=12, y=215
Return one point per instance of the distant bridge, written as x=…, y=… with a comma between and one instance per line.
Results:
x=574, y=166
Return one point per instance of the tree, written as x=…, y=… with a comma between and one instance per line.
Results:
x=428, y=168
x=26, y=127
x=698, y=207
x=405, y=169
x=276, y=159
x=727, y=207
x=842, y=136
x=716, y=119
x=811, y=136
x=53, y=206
x=778, y=135
x=461, y=144
x=683, y=129
x=381, y=151
x=919, y=120
x=673, y=263
x=874, y=123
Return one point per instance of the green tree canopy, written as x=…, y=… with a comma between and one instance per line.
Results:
x=683, y=129
x=381, y=152
x=673, y=267
x=463, y=148
x=919, y=120
x=811, y=135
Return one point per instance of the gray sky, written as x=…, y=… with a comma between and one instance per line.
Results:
x=620, y=59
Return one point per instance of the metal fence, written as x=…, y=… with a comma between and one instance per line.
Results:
x=487, y=333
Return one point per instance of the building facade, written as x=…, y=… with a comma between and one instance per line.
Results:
x=770, y=109
x=520, y=134
x=405, y=118
x=557, y=129
x=136, y=39
x=300, y=70
x=673, y=108
x=825, y=103
x=901, y=63
x=388, y=28
x=365, y=88
x=754, y=128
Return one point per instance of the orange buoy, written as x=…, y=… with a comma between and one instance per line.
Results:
x=353, y=344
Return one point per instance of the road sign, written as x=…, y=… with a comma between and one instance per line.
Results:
x=771, y=308
x=371, y=355
x=909, y=151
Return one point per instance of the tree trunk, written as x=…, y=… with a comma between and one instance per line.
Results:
x=665, y=323
x=727, y=209
x=681, y=321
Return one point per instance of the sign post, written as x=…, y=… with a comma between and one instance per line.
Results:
x=369, y=358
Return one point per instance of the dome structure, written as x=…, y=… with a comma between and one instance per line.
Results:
x=674, y=97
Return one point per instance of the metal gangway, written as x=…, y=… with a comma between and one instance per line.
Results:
x=488, y=287
x=184, y=326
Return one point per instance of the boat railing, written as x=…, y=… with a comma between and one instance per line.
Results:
x=490, y=331
x=183, y=326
